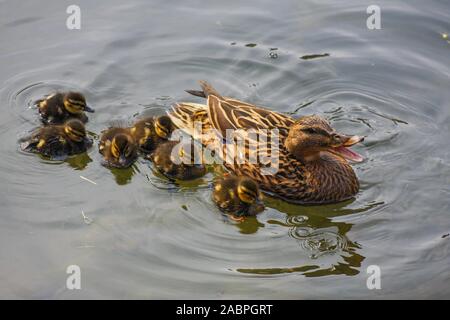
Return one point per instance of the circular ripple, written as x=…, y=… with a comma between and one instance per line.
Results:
x=319, y=242
x=296, y=220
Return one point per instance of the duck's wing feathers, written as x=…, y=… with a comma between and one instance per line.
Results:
x=188, y=115
x=234, y=114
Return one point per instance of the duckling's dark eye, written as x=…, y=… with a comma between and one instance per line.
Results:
x=77, y=103
x=128, y=151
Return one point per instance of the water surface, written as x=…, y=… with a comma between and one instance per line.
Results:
x=143, y=237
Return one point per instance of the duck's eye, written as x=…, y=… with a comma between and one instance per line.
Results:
x=73, y=134
x=128, y=151
x=246, y=195
x=316, y=131
x=161, y=131
x=77, y=104
x=309, y=130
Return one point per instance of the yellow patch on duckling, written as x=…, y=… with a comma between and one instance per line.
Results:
x=41, y=143
x=147, y=133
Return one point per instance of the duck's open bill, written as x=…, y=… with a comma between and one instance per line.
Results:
x=346, y=153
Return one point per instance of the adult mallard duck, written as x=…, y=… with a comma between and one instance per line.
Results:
x=61, y=106
x=312, y=158
x=58, y=141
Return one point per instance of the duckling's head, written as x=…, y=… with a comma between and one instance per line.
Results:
x=123, y=149
x=248, y=191
x=163, y=127
x=75, y=103
x=75, y=130
x=311, y=135
x=187, y=153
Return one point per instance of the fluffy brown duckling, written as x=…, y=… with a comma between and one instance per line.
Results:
x=149, y=132
x=178, y=160
x=61, y=106
x=58, y=141
x=118, y=148
x=238, y=195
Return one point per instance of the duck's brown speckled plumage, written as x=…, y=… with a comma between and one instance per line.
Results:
x=226, y=196
x=145, y=133
x=53, y=109
x=120, y=139
x=327, y=180
x=58, y=141
x=185, y=169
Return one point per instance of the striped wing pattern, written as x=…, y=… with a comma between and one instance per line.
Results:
x=226, y=113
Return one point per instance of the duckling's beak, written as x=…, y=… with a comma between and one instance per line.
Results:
x=345, y=152
x=257, y=207
x=88, y=109
x=122, y=160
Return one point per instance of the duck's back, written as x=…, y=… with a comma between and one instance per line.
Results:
x=281, y=174
x=145, y=135
x=52, y=111
x=48, y=141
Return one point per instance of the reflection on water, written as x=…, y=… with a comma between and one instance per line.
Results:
x=249, y=226
x=79, y=162
x=123, y=175
x=160, y=181
x=315, y=232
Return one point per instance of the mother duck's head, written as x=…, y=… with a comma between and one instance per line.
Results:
x=311, y=135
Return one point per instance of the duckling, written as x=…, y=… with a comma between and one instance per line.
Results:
x=238, y=196
x=58, y=141
x=149, y=132
x=118, y=148
x=61, y=106
x=173, y=159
